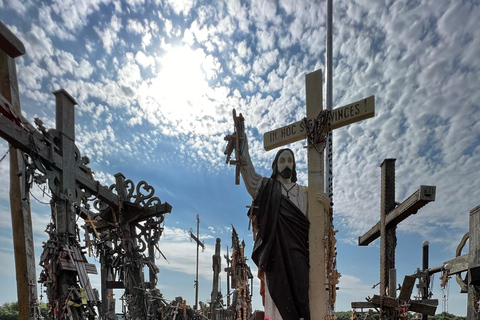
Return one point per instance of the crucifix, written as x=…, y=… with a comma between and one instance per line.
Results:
x=321, y=242
x=323, y=273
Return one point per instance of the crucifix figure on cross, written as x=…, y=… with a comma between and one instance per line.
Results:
x=294, y=242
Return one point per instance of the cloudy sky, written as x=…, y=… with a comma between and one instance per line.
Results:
x=156, y=82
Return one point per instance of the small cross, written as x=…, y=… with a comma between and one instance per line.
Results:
x=251, y=217
x=92, y=225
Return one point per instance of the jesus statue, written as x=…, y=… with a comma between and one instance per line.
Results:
x=281, y=242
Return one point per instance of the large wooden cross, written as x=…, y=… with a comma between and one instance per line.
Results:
x=322, y=278
x=10, y=48
x=390, y=216
x=55, y=155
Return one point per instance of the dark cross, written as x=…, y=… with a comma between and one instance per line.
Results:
x=10, y=48
x=216, y=294
x=229, y=272
x=235, y=142
x=55, y=155
x=390, y=216
x=199, y=244
x=139, y=230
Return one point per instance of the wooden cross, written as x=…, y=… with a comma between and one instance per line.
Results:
x=55, y=155
x=216, y=264
x=92, y=223
x=319, y=226
x=403, y=303
x=235, y=142
x=390, y=216
x=470, y=263
x=10, y=48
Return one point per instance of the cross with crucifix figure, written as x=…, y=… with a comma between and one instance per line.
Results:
x=323, y=275
x=321, y=242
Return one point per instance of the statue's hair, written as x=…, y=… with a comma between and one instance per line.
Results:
x=275, y=165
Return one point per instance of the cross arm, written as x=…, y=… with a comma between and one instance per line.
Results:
x=411, y=205
x=12, y=113
x=135, y=213
x=9, y=43
x=25, y=141
x=458, y=264
x=197, y=240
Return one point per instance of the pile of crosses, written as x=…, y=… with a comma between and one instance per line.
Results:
x=123, y=219
x=238, y=277
x=386, y=302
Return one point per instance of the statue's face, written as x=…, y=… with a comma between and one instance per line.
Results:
x=285, y=160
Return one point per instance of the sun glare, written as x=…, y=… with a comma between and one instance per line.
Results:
x=181, y=84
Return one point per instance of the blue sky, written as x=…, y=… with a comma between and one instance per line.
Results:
x=156, y=82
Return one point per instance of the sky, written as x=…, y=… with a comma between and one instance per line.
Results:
x=156, y=82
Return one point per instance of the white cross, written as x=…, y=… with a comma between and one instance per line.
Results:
x=320, y=227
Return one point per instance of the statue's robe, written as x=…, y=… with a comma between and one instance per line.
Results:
x=281, y=250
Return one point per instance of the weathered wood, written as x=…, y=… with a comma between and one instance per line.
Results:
x=22, y=139
x=390, y=216
x=411, y=205
x=318, y=222
x=65, y=124
x=9, y=43
x=339, y=117
x=23, y=243
x=425, y=307
x=458, y=264
x=473, y=263
x=388, y=239
x=392, y=279
x=384, y=301
x=115, y=285
x=363, y=304
x=407, y=288
x=68, y=265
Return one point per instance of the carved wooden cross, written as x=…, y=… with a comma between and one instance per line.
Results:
x=319, y=226
x=55, y=155
x=390, y=216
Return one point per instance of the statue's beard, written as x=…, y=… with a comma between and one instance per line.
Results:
x=286, y=173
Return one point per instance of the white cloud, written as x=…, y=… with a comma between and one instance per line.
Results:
x=108, y=35
x=181, y=6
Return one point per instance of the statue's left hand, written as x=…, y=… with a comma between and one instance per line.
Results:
x=324, y=199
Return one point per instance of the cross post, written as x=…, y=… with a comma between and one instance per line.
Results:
x=319, y=223
x=10, y=48
x=323, y=273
